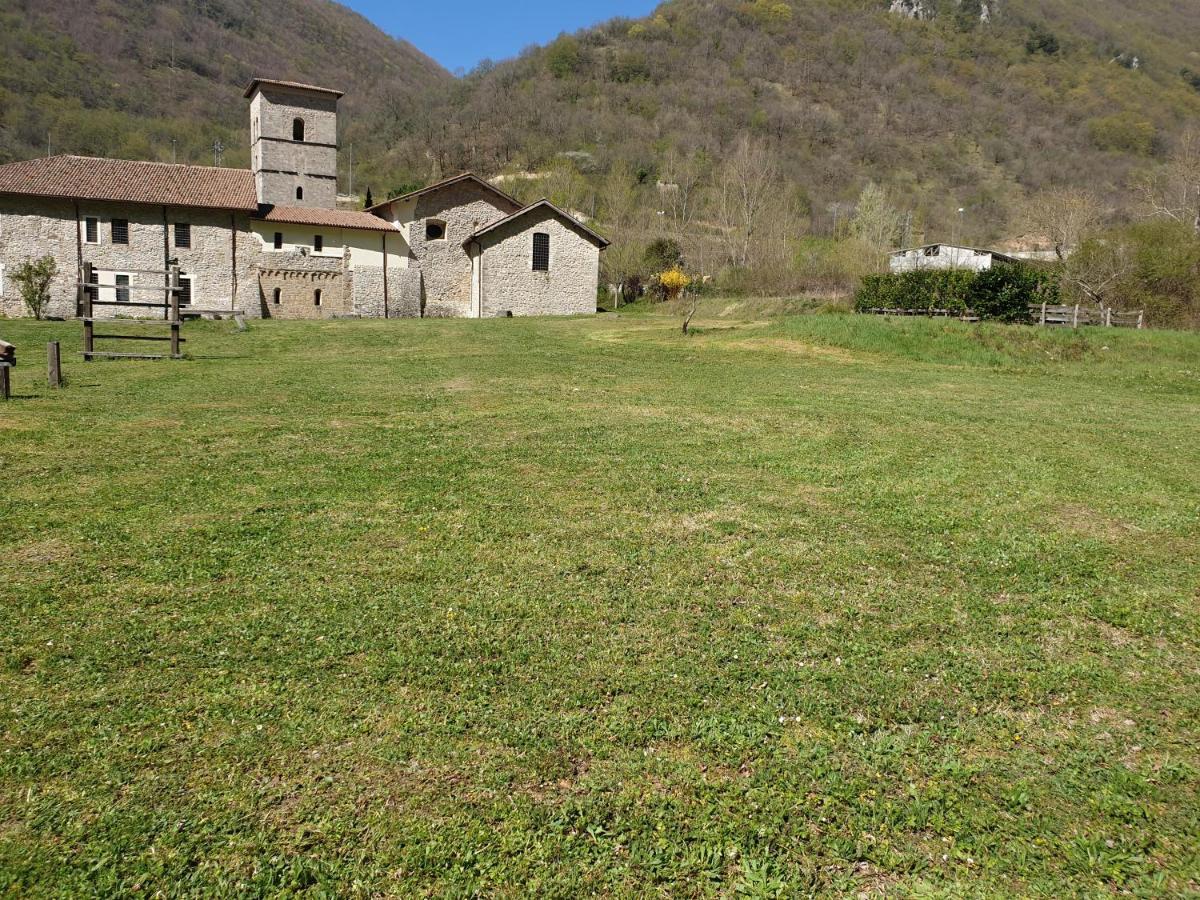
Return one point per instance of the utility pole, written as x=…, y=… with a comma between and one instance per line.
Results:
x=351, y=170
x=218, y=152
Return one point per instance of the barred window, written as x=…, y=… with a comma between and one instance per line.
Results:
x=91, y=230
x=122, y=283
x=541, y=252
x=185, y=290
x=183, y=235
x=120, y=231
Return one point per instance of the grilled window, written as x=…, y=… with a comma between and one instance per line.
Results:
x=318, y=243
x=279, y=240
x=297, y=129
x=91, y=230
x=122, y=283
x=183, y=235
x=541, y=252
x=120, y=231
x=185, y=291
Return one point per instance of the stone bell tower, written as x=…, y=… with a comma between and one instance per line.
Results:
x=293, y=143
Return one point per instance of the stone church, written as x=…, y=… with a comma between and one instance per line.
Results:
x=271, y=241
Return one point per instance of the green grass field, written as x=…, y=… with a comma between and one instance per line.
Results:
x=815, y=605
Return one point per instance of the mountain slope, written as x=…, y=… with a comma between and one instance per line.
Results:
x=126, y=77
x=948, y=112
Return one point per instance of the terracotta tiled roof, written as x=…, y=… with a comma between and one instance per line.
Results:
x=329, y=218
x=570, y=220
x=127, y=181
x=296, y=85
x=449, y=182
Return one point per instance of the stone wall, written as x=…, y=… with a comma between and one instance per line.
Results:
x=281, y=164
x=220, y=259
x=465, y=208
x=291, y=294
x=29, y=229
x=511, y=285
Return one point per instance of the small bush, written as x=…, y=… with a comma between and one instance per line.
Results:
x=1004, y=293
x=33, y=279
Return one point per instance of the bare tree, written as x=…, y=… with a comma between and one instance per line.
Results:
x=746, y=185
x=1099, y=269
x=1173, y=190
x=876, y=223
x=1064, y=216
x=684, y=178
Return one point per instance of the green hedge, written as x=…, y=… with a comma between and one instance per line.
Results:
x=1003, y=292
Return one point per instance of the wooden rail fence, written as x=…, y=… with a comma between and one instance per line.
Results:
x=1045, y=314
x=89, y=289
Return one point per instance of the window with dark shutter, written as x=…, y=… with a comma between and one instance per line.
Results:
x=120, y=231
x=279, y=240
x=122, y=282
x=183, y=235
x=318, y=243
x=541, y=252
x=91, y=229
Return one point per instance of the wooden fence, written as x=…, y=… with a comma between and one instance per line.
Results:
x=89, y=290
x=1074, y=316
x=1067, y=316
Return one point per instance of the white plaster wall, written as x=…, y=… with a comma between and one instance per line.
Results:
x=946, y=258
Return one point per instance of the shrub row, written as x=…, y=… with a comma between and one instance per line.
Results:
x=1004, y=292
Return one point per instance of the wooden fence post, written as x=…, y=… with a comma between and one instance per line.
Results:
x=174, y=302
x=5, y=383
x=87, y=276
x=1043, y=322
x=1075, y=317
x=54, y=364
x=1141, y=319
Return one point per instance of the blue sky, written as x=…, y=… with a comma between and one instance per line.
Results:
x=459, y=33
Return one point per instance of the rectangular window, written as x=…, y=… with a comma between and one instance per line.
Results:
x=122, y=283
x=183, y=235
x=120, y=231
x=279, y=240
x=91, y=230
x=185, y=290
x=541, y=253
x=318, y=243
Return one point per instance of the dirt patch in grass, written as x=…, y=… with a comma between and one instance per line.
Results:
x=1085, y=521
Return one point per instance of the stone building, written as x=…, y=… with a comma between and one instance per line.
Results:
x=270, y=240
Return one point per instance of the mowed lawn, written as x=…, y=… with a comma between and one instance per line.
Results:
x=817, y=605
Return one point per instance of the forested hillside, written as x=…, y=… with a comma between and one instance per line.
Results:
x=948, y=112
x=125, y=78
